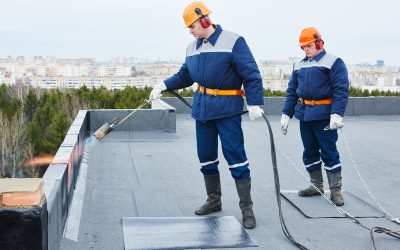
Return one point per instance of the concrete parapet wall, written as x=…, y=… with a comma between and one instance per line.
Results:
x=356, y=105
x=161, y=117
x=179, y=106
x=373, y=106
x=61, y=175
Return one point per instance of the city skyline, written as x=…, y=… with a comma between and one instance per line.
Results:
x=133, y=60
x=121, y=72
x=357, y=31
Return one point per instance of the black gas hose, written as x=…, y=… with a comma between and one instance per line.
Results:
x=275, y=169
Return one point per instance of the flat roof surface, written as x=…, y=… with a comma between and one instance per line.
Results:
x=156, y=174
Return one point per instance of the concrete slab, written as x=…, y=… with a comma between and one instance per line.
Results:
x=8, y=185
x=23, y=192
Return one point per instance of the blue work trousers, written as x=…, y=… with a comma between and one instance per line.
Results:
x=319, y=146
x=230, y=133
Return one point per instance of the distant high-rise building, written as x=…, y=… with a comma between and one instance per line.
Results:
x=380, y=63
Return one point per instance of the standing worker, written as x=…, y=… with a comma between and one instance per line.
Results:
x=317, y=95
x=220, y=62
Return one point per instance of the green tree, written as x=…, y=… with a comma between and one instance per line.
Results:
x=130, y=97
x=9, y=105
x=268, y=92
x=31, y=103
x=57, y=131
x=36, y=132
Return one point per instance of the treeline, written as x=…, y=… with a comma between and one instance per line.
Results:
x=33, y=122
x=354, y=92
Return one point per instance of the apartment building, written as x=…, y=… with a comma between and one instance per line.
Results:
x=113, y=82
x=123, y=71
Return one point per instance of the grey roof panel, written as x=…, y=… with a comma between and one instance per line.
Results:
x=156, y=174
x=184, y=233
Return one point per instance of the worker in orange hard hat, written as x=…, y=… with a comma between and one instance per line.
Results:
x=198, y=13
x=317, y=95
x=221, y=64
x=194, y=11
x=309, y=35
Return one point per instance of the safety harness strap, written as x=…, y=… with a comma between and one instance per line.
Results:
x=220, y=92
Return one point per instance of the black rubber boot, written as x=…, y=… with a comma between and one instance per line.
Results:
x=317, y=180
x=335, y=185
x=243, y=188
x=213, y=202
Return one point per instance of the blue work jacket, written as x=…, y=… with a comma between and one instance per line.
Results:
x=222, y=62
x=322, y=77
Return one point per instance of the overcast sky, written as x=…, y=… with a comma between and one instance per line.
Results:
x=356, y=30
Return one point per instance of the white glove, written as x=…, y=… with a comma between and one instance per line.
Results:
x=285, y=119
x=254, y=112
x=336, y=122
x=157, y=89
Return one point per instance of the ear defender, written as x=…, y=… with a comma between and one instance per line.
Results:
x=204, y=20
x=319, y=43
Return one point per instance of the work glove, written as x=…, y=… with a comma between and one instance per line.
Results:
x=336, y=122
x=254, y=112
x=285, y=119
x=157, y=89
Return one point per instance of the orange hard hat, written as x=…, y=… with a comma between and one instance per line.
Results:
x=309, y=35
x=194, y=11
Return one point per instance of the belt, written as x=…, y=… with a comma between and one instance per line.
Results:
x=316, y=102
x=220, y=92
